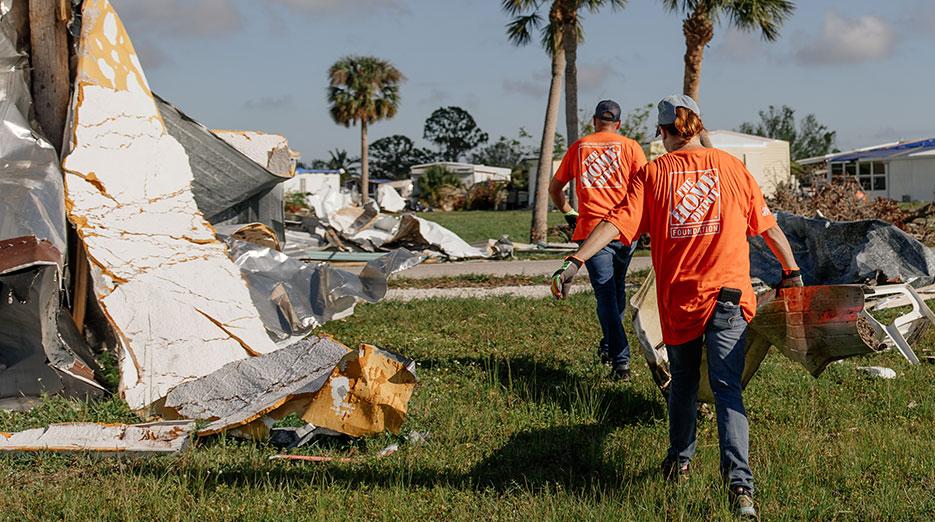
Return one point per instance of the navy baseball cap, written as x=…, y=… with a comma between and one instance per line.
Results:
x=607, y=110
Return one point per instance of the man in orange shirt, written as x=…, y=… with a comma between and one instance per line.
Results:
x=698, y=206
x=601, y=165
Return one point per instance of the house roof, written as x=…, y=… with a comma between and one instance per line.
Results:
x=733, y=139
x=923, y=147
x=461, y=168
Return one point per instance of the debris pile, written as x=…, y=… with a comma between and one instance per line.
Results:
x=846, y=201
x=850, y=269
x=207, y=323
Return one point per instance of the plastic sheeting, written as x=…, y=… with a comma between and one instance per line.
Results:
x=845, y=252
x=294, y=297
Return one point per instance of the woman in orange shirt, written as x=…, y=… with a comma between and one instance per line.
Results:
x=698, y=205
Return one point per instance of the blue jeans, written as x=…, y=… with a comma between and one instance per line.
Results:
x=608, y=272
x=724, y=338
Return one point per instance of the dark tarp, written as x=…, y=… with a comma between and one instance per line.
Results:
x=229, y=187
x=846, y=252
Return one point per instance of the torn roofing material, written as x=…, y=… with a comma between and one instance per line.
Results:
x=134, y=439
x=269, y=150
x=229, y=187
x=243, y=391
x=165, y=282
x=355, y=392
x=846, y=252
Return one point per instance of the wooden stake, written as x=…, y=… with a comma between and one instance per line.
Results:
x=51, y=80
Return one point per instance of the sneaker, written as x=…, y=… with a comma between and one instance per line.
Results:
x=672, y=472
x=620, y=373
x=741, y=500
x=603, y=352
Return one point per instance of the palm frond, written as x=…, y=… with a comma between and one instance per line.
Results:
x=519, y=30
x=766, y=15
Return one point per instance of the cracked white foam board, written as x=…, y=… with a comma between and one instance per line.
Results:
x=269, y=150
x=178, y=304
x=155, y=438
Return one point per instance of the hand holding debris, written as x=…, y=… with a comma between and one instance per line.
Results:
x=791, y=279
x=562, y=278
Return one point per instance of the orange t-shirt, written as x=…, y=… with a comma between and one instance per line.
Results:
x=698, y=207
x=601, y=164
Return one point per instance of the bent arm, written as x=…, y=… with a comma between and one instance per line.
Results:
x=557, y=193
x=601, y=236
x=778, y=243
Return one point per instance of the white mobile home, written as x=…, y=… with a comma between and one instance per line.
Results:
x=904, y=171
x=468, y=174
x=767, y=159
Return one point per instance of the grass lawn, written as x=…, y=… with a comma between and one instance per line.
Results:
x=523, y=426
x=478, y=225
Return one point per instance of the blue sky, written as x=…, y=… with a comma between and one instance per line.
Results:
x=866, y=68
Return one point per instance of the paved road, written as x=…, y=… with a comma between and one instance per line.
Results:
x=499, y=268
x=533, y=292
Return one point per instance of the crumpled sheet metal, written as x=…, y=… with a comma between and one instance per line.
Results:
x=813, y=326
x=846, y=252
x=354, y=392
x=38, y=341
x=156, y=438
x=243, y=391
x=32, y=195
x=390, y=200
x=178, y=304
x=293, y=297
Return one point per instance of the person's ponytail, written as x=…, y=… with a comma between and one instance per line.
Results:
x=687, y=124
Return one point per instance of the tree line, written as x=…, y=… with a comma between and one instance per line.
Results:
x=363, y=90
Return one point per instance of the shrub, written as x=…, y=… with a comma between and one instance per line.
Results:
x=488, y=195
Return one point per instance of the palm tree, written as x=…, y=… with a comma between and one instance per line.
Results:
x=363, y=89
x=572, y=36
x=701, y=15
x=526, y=18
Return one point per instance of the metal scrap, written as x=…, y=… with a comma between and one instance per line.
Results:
x=354, y=392
x=40, y=350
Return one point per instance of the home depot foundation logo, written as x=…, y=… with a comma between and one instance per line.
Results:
x=600, y=165
x=694, y=203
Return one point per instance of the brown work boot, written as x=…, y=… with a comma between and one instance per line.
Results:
x=673, y=472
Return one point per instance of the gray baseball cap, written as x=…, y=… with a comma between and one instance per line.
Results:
x=607, y=110
x=668, y=105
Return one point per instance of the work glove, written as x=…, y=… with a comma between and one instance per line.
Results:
x=562, y=278
x=571, y=217
x=791, y=278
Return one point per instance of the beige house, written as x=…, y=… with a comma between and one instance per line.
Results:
x=767, y=159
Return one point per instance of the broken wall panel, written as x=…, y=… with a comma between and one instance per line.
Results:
x=177, y=302
x=156, y=438
x=229, y=187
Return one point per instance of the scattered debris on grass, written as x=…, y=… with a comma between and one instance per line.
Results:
x=879, y=372
x=157, y=438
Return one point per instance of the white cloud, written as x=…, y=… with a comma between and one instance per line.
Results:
x=179, y=18
x=739, y=46
x=846, y=40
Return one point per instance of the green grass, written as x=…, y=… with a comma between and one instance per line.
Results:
x=478, y=225
x=523, y=426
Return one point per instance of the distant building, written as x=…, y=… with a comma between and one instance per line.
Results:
x=314, y=181
x=467, y=173
x=768, y=160
x=902, y=170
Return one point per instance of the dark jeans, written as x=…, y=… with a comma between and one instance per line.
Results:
x=608, y=272
x=724, y=338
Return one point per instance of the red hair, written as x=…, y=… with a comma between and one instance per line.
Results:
x=687, y=124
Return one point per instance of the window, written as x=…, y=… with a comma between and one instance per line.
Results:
x=870, y=174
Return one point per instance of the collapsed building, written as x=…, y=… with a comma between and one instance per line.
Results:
x=148, y=235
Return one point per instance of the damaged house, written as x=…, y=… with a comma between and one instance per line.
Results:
x=127, y=234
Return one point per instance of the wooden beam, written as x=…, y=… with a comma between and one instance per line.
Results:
x=51, y=81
